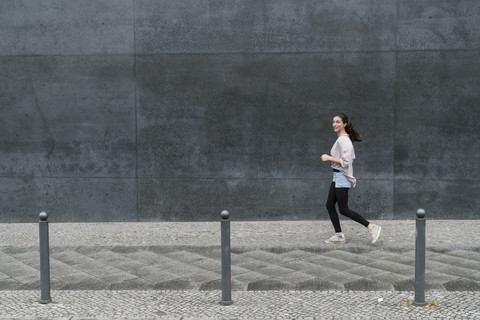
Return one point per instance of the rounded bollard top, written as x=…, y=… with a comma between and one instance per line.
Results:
x=225, y=215
x=43, y=216
x=420, y=213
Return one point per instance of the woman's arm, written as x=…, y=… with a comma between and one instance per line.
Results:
x=326, y=157
x=346, y=151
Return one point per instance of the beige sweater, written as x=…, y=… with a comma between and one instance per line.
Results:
x=343, y=150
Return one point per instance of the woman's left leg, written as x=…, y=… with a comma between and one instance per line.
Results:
x=341, y=195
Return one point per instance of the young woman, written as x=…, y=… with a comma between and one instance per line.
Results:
x=342, y=156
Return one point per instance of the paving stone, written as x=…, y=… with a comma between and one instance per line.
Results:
x=82, y=281
x=9, y=284
x=184, y=256
x=98, y=269
x=438, y=276
x=394, y=267
x=434, y=265
x=268, y=284
x=111, y=257
x=175, y=284
x=316, y=284
x=390, y=277
x=238, y=270
x=3, y=276
x=184, y=270
x=407, y=258
x=409, y=285
x=249, y=277
x=348, y=256
x=6, y=258
x=320, y=271
x=462, y=284
x=295, y=277
x=457, y=261
x=367, y=272
x=20, y=271
x=237, y=258
x=343, y=277
x=298, y=265
x=273, y=270
x=58, y=268
x=132, y=284
x=149, y=258
x=332, y=263
x=268, y=257
x=217, y=285
x=379, y=254
x=458, y=271
x=208, y=264
x=212, y=253
x=84, y=250
x=118, y=277
x=69, y=257
x=470, y=255
x=127, y=264
x=368, y=285
x=205, y=276
x=152, y=274
x=254, y=265
x=31, y=258
x=30, y=284
x=297, y=255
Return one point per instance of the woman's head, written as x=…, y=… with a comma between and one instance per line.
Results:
x=340, y=122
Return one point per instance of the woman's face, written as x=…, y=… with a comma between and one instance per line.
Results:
x=338, y=124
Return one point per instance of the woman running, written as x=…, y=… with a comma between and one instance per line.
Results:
x=342, y=156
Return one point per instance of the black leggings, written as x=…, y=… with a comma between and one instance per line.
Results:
x=340, y=196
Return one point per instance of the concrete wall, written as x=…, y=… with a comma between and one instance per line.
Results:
x=139, y=110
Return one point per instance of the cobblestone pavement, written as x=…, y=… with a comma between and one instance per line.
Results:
x=280, y=270
x=285, y=234
x=199, y=268
x=87, y=305
x=265, y=256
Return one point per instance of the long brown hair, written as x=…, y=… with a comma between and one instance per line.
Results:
x=350, y=128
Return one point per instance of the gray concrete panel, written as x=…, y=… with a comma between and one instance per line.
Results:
x=255, y=199
x=438, y=24
x=264, y=26
x=66, y=27
x=67, y=116
x=67, y=199
x=436, y=125
x=261, y=116
x=204, y=101
x=441, y=199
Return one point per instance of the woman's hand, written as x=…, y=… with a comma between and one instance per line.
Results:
x=325, y=157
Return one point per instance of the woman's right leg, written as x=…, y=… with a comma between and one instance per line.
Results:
x=331, y=200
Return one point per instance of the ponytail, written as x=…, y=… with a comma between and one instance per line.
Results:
x=353, y=134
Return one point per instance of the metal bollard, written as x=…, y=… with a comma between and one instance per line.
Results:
x=44, y=260
x=420, y=260
x=226, y=263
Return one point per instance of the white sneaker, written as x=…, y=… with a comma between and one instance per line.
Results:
x=375, y=231
x=336, y=239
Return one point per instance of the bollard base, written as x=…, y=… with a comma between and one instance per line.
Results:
x=46, y=301
x=226, y=303
x=419, y=304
